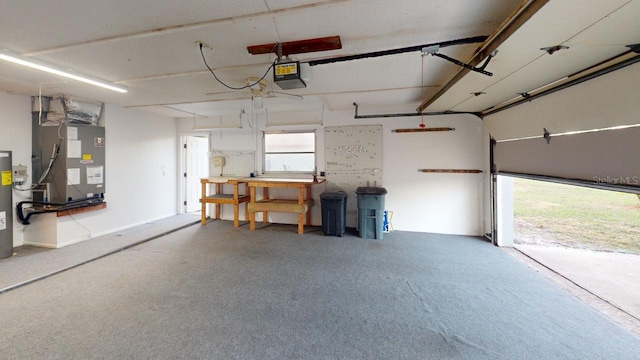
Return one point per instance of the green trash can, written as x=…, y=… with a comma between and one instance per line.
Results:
x=370, y=211
x=334, y=210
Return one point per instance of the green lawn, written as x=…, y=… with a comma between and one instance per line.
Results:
x=579, y=216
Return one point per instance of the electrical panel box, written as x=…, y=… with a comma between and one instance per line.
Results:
x=78, y=170
x=20, y=174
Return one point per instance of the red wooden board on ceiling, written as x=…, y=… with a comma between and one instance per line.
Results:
x=299, y=46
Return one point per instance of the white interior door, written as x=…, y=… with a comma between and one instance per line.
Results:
x=197, y=167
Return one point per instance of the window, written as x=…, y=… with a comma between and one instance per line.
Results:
x=290, y=152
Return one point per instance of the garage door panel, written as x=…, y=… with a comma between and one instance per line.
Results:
x=607, y=157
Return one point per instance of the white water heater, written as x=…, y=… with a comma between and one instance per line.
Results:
x=6, y=205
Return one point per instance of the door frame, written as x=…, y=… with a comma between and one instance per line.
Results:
x=182, y=183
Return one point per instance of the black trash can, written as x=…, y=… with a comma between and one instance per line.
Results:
x=370, y=212
x=334, y=209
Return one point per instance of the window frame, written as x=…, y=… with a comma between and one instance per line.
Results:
x=265, y=153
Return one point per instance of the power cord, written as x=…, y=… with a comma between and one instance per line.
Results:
x=233, y=87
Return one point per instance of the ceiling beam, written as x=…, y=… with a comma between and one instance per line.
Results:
x=518, y=17
x=297, y=47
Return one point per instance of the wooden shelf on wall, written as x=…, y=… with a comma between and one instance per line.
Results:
x=82, y=209
x=414, y=130
x=450, y=171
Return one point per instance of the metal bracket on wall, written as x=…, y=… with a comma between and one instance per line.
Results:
x=635, y=48
x=547, y=135
x=433, y=51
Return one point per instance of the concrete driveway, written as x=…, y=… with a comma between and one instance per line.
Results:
x=610, y=276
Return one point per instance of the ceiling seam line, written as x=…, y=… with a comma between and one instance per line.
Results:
x=501, y=79
x=597, y=21
x=178, y=28
x=310, y=94
x=187, y=73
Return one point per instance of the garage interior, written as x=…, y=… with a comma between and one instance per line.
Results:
x=539, y=89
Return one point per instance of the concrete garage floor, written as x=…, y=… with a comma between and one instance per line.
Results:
x=608, y=281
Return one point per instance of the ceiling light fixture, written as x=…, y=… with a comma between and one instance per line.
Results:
x=19, y=60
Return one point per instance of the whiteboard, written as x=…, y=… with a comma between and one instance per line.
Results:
x=353, y=156
x=237, y=162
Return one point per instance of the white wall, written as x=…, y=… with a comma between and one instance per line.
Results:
x=504, y=211
x=139, y=146
x=15, y=135
x=137, y=191
x=439, y=203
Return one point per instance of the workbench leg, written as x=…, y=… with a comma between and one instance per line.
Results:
x=265, y=195
x=236, y=206
x=308, y=198
x=252, y=216
x=236, y=214
x=246, y=204
x=218, y=191
x=300, y=225
x=203, y=209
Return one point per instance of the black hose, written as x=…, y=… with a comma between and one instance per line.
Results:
x=53, y=207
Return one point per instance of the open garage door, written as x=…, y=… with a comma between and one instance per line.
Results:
x=605, y=158
x=593, y=133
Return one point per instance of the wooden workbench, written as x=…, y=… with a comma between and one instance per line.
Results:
x=301, y=206
x=218, y=198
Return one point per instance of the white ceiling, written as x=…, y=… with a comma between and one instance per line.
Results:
x=594, y=31
x=150, y=47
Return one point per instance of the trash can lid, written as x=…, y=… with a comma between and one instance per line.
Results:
x=333, y=195
x=371, y=190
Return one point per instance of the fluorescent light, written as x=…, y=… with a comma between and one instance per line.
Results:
x=46, y=68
